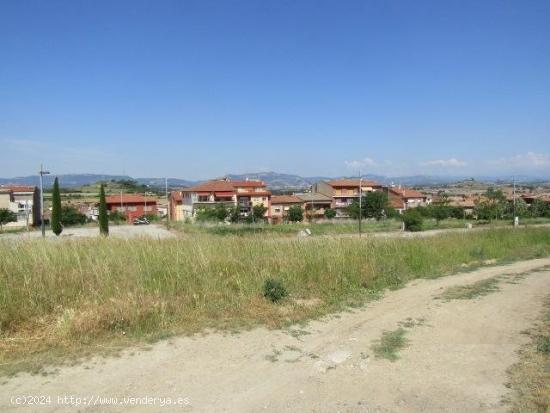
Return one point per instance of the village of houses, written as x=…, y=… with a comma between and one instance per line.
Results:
x=183, y=204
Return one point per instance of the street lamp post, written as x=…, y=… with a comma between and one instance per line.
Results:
x=360, y=200
x=42, y=173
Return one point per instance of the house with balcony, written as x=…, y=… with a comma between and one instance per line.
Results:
x=24, y=201
x=344, y=192
x=241, y=194
x=405, y=198
x=132, y=206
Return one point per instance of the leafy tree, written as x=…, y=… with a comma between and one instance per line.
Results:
x=206, y=214
x=521, y=209
x=295, y=213
x=329, y=213
x=221, y=211
x=375, y=204
x=72, y=216
x=258, y=212
x=391, y=212
x=56, y=223
x=103, y=218
x=540, y=208
x=493, y=206
x=6, y=216
x=440, y=212
x=235, y=215
x=413, y=220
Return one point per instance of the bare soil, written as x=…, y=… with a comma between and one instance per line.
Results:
x=455, y=359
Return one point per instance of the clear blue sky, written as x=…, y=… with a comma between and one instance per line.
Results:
x=196, y=89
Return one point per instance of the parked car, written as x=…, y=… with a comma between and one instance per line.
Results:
x=141, y=221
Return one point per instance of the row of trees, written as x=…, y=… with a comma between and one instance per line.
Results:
x=221, y=213
x=68, y=215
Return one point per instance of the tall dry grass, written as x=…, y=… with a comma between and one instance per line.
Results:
x=56, y=294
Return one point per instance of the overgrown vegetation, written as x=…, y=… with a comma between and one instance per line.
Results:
x=67, y=297
x=530, y=377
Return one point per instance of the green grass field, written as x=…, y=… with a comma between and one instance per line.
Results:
x=77, y=296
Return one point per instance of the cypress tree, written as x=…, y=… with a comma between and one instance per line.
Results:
x=56, y=225
x=103, y=219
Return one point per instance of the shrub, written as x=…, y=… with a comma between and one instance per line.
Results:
x=274, y=290
x=6, y=216
x=72, y=216
x=295, y=213
x=330, y=213
x=117, y=216
x=413, y=220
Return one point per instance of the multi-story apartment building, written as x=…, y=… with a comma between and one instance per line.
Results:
x=344, y=192
x=132, y=206
x=24, y=201
x=242, y=194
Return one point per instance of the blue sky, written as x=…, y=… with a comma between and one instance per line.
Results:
x=196, y=89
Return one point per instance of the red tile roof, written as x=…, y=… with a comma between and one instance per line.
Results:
x=408, y=193
x=211, y=186
x=223, y=185
x=130, y=199
x=285, y=199
x=352, y=182
x=397, y=203
x=18, y=188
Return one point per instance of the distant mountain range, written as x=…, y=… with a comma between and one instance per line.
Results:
x=274, y=180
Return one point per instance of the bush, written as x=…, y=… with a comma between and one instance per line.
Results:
x=274, y=290
x=117, y=216
x=413, y=220
x=330, y=213
x=72, y=216
x=295, y=213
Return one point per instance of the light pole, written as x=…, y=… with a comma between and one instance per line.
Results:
x=360, y=200
x=42, y=172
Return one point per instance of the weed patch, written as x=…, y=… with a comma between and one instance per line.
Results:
x=471, y=291
x=389, y=344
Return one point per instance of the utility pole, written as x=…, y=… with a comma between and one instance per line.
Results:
x=42, y=173
x=516, y=221
x=167, y=200
x=360, y=201
x=312, y=207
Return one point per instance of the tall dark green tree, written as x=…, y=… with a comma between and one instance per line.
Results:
x=103, y=218
x=57, y=226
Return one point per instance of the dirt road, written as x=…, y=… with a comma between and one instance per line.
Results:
x=118, y=231
x=455, y=361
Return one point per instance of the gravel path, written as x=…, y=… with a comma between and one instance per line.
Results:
x=119, y=231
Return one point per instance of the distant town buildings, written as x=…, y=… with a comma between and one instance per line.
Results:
x=337, y=194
